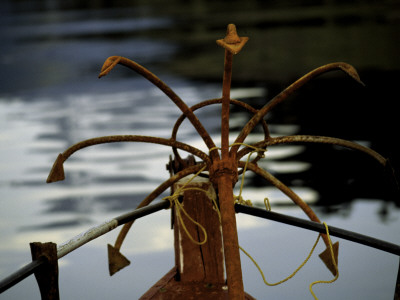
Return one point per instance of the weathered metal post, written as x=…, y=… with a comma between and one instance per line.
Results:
x=47, y=274
x=224, y=173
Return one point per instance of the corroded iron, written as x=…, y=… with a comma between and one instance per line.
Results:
x=223, y=170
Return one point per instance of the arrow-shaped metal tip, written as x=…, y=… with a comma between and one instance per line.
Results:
x=232, y=42
x=57, y=171
x=326, y=257
x=352, y=72
x=116, y=261
x=109, y=64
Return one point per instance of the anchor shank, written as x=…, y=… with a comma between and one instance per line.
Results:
x=230, y=238
x=226, y=89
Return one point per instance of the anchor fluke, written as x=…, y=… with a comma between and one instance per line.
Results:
x=109, y=64
x=351, y=71
x=116, y=261
x=326, y=257
x=57, y=171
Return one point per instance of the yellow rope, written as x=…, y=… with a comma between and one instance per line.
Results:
x=267, y=205
x=334, y=263
x=239, y=199
x=179, y=207
x=291, y=275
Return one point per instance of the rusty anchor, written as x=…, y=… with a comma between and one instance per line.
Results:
x=222, y=169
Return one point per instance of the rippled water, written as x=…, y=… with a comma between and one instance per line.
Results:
x=51, y=99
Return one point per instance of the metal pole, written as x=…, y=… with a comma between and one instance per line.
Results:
x=223, y=173
x=77, y=242
x=226, y=88
x=21, y=274
x=94, y=232
x=314, y=226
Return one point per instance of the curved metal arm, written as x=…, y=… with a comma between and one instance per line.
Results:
x=348, y=69
x=202, y=104
x=287, y=191
x=316, y=139
x=153, y=195
x=57, y=171
x=112, y=61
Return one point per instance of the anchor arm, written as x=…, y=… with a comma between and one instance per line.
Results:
x=112, y=61
x=325, y=256
x=116, y=261
x=57, y=171
x=318, y=140
x=202, y=104
x=348, y=69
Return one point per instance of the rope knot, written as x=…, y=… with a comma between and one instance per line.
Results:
x=174, y=201
x=239, y=199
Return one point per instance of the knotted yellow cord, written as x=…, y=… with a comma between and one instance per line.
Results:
x=334, y=263
x=173, y=199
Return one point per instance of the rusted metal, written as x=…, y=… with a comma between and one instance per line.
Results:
x=346, y=68
x=57, y=171
x=167, y=288
x=224, y=173
x=319, y=140
x=197, y=106
x=222, y=170
x=112, y=61
x=117, y=262
x=199, y=269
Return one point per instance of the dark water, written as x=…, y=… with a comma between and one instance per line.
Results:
x=50, y=98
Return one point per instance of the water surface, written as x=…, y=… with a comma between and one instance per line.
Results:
x=51, y=98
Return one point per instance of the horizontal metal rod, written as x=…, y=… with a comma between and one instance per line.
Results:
x=318, y=227
x=101, y=229
x=21, y=274
x=79, y=240
x=141, y=212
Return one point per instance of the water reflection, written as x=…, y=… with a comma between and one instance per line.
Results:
x=56, y=97
x=50, y=99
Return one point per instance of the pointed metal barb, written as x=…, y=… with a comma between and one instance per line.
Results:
x=326, y=257
x=116, y=261
x=232, y=42
x=109, y=64
x=57, y=171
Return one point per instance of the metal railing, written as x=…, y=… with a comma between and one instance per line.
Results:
x=38, y=265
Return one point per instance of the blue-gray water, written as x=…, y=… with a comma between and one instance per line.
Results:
x=50, y=98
